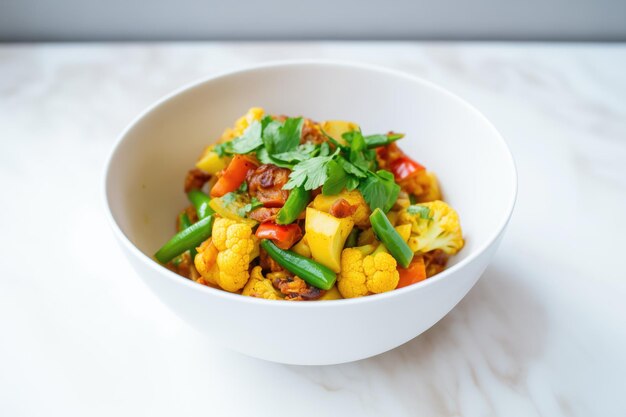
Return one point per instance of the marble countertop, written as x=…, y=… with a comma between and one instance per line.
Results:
x=543, y=333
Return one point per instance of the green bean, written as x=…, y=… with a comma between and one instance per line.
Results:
x=352, y=238
x=394, y=243
x=201, y=203
x=374, y=141
x=183, y=223
x=185, y=240
x=295, y=204
x=310, y=271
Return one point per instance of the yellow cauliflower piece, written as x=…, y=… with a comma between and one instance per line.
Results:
x=261, y=287
x=363, y=274
x=255, y=113
x=205, y=262
x=225, y=259
x=434, y=225
x=423, y=185
x=431, y=188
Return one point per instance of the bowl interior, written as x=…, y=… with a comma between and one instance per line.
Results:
x=146, y=171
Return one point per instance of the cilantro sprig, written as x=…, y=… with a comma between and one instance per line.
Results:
x=350, y=164
x=250, y=141
x=350, y=167
x=380, y=190
x=312, y=173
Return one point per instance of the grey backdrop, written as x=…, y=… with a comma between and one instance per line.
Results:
x=34, y=20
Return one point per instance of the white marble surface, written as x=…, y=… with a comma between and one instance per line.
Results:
x=542, y=334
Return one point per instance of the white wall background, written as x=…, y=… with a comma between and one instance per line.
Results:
x=35, y=20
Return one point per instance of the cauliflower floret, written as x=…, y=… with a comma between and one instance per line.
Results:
x=363, y=274
x=225, y=258
x=423, y=185
x=261, y=287
x=205, y=262
x=431, y=188
x=434, y=225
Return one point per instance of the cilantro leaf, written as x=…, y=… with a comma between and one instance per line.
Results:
x=291, y=133
x=222, y=149
x=352, y=182
x=280, y=137
x=386, y=175
x=350, y=168
x=229, y=198
x=357, y=143
x=336, y=180
x=287, y=159
x=263, y=156
x=266, y=121
x=359, y=160
x=311, y=173
x=249, y=141
x=301, y=153
x=290, y=156
x=324, y=149
x=379, y=190
x=370, y=155
x=270, y=134
x=392, y=188
x=251, y=206
x=422, y=211
x=358, y=153
x=349, y=136
x=308, y=147
x=373, y=191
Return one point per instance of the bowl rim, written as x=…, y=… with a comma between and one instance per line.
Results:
x=329, y=63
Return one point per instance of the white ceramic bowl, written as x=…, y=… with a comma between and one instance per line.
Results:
x=143, y=188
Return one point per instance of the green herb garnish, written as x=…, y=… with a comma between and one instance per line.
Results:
x=422, y=211
x=311, y=173
x=252, y=205
x=331, y=165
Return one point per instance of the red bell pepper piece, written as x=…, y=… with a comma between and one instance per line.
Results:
x=233, y=176
x=284, y=236
x=416, y=272
x=400, y=165
x=403, y=167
